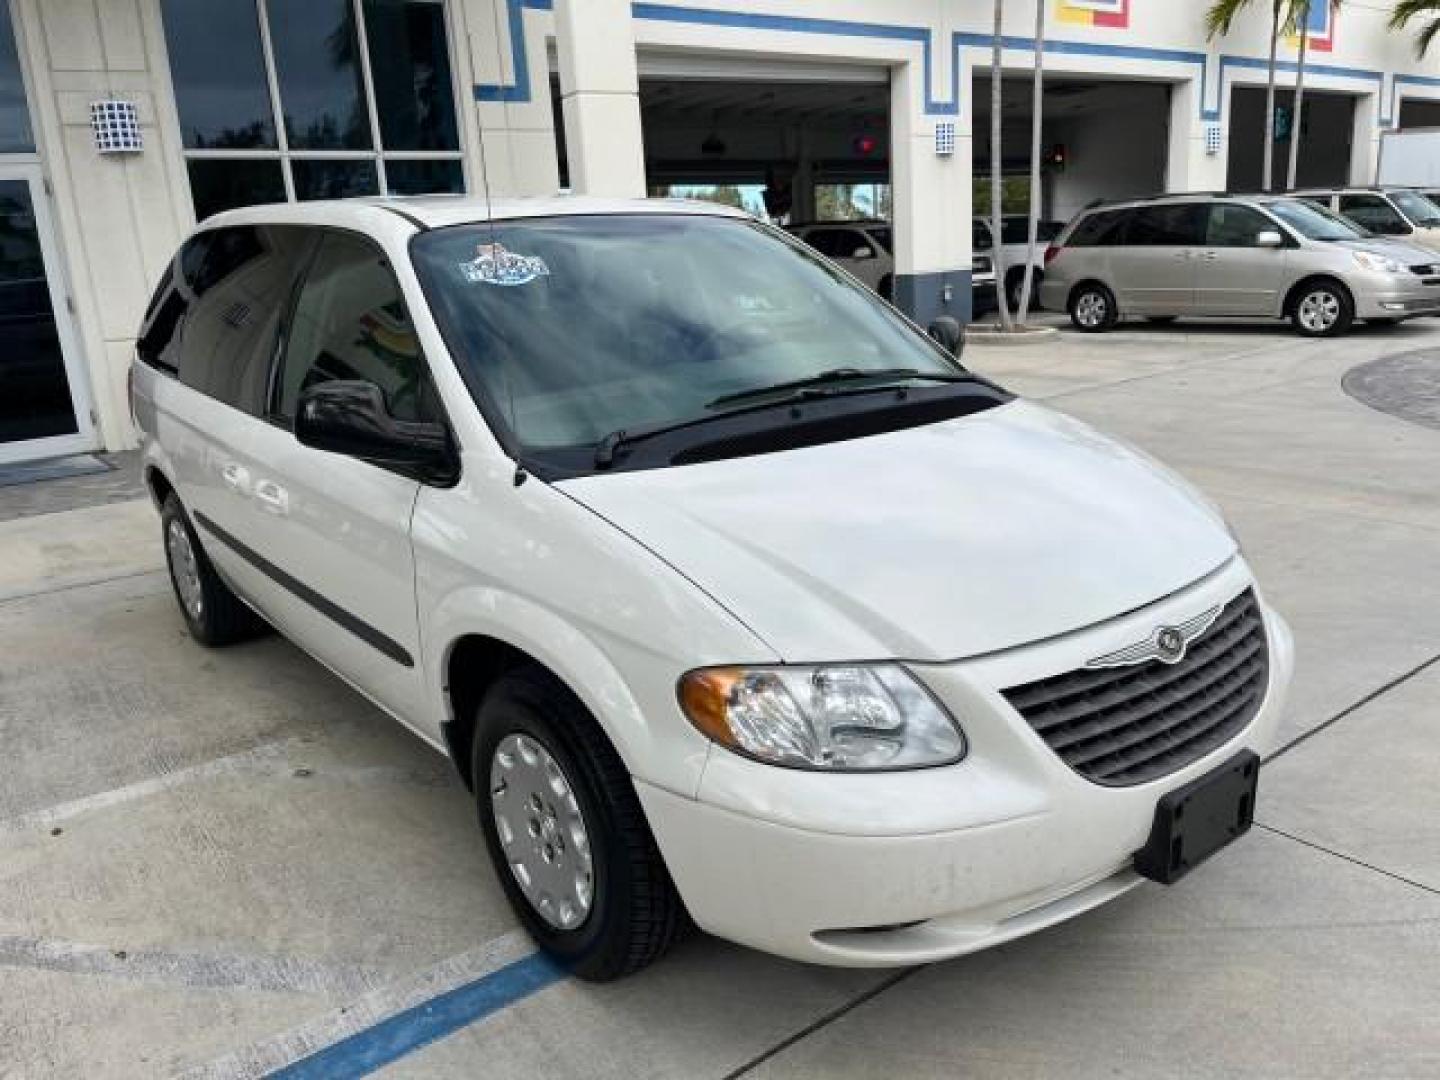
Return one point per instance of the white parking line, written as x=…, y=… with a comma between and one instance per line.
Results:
x=266, y=1056
x=192, y=969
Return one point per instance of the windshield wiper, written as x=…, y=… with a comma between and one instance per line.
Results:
x=837, y=375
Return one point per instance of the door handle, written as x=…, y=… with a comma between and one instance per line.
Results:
x=1184, y=254
x=272, y=497
x=1210, y=255
x=236, y=477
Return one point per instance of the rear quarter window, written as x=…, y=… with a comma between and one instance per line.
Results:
x=1099, y=229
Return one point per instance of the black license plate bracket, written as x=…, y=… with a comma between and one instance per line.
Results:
x=1195, y=821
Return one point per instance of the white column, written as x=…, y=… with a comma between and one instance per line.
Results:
x=600, y=95
x=930, y=200
x=1365, y=140
x=1190, y=166
x=510, y=144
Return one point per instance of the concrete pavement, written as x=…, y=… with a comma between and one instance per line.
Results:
x=215, y=863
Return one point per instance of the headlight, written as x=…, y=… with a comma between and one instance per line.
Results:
x=847, y=718
x=1381, y=263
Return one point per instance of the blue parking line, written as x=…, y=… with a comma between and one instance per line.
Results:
x=393, y=1038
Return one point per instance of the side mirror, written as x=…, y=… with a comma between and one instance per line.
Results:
x=948, y=333
x=348, y=416
x=1269, y=238
x=863, y=253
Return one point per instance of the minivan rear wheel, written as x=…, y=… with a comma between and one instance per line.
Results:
x=566, y=831
x=1092, y=308
x=1322, y=309
x=214, y=615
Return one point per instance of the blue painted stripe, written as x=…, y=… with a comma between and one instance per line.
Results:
x=519, y=91
x=391, y=1039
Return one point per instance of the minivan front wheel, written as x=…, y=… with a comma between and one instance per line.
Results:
x=1092, y=308
x=566, y=831
x=1322, y=309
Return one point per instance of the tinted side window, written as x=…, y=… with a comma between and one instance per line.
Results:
x=1099, y=229
x=825, y=241
x=1374, y=213
x=351, y=323
x=159, y=338
x=1166, y=225
x=980, y=235
x=849, y=241
x=1235, y=226
x=241, y=290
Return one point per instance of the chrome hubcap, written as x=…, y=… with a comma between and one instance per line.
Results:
x=1090, y=309
x=538, y=820
x=184, y=569
x=1319, y=311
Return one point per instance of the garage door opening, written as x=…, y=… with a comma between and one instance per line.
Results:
x=1325, y=130
x=808, y=148
x=1419, y=113
x=1102, y=139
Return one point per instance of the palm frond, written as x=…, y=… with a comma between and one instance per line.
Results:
x=1220, y=15
x=1406, y=10
x=1427, y=37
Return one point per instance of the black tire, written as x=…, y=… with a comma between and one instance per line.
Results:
x=886, y=289
x=1092, y=308
x=635, y=914
x=1161, y=320
x=1322, y=308
x=219, y=617
x=1015, y=284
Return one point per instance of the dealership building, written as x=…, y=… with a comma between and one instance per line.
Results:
x=123, y=122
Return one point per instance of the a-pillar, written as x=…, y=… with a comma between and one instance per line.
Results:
x=930, y=197
x=600, y=97
x=1195, y=162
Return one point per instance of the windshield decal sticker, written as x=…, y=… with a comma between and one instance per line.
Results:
x=497, y=265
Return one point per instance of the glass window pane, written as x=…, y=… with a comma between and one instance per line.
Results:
x=410, y=63
x=15, y=134
x=351, y=323
x=239, y=296
x=34, y=393
x=219, y=74
x=317, y=62
x=424, y=177
x=329, y=179
x=223, y=185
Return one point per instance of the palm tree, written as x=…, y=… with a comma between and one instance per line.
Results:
x=1037, y=116
x=1218, y=19
x=996, y=49
x=1298, y=19
x=1407, y=11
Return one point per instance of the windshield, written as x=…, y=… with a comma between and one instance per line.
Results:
x=1417, y=208
x=570, y=329
x=1313, y=222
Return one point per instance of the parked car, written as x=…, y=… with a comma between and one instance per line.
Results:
x=1014, y=247
x=728, y=591
x=1392, y=212
x=1234, y=256
x=866, y=250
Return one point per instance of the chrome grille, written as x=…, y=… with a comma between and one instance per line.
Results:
x=1127, y=725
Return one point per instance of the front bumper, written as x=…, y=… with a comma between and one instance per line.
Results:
x=901, y=868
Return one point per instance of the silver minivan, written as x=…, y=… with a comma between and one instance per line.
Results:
x=1233, y=257
x=1395, y=213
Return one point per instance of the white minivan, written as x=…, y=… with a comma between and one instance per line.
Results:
x=734, y=597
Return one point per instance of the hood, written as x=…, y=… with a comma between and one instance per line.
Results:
x=933, y=543
x=1407, y=252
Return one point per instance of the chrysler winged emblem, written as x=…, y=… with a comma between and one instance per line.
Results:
x=1166, y=643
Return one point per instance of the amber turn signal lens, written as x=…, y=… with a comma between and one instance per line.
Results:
x=704, y=696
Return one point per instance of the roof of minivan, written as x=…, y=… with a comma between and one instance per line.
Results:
x=438, y=211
